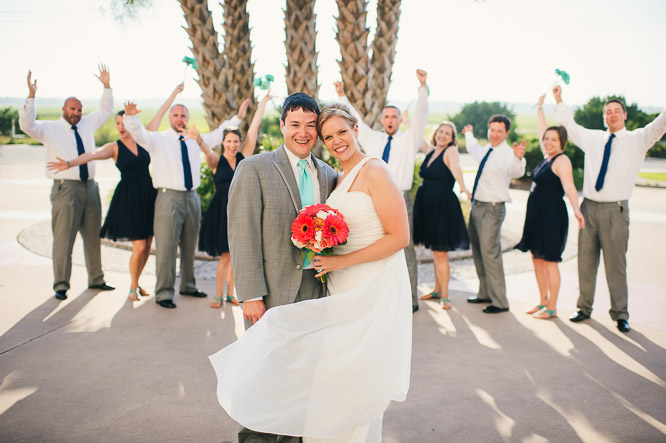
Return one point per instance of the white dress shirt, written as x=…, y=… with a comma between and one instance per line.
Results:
x=165, y=156
x=312, y=170
x=502, y=165
x=404, y=145
x=628, y=151
x=57, y=136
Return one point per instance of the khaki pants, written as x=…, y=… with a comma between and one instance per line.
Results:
x=176, y=225
x=75, y=207
x=607, y=230
x=485, y=226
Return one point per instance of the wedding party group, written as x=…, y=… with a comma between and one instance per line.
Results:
x=321, y=362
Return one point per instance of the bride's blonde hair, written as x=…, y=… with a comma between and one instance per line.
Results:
x=335, y=110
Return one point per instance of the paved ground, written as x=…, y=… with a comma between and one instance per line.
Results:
x=100, y=368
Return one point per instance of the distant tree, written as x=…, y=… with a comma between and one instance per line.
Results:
x=591, y=116
x=477, y=115
x=6, y=116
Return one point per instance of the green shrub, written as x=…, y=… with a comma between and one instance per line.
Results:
x=658, y=150
x=206, y=189
x=106, y=133
x=477, y=115
x=6, y=116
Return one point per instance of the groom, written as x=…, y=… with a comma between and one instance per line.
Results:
x=266, y=194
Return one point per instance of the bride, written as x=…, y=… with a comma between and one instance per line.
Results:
x=327, y=369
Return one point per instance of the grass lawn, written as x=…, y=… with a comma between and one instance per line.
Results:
x=660, y=176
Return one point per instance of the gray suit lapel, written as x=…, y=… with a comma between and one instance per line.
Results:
x=283, y=166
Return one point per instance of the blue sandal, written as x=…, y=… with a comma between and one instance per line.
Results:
x=536, y=309
x=546, y=314
x=432, y=296
x=134, y=295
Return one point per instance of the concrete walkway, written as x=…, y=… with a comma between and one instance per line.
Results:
x=100, y=368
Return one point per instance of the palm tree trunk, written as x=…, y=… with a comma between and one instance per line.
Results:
x=238, y=56
x=302, y=69
x=352, y=36
x=214, y=73
x=383, y=56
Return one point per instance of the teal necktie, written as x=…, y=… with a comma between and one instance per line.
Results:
x=307, y=195
x=305, y=185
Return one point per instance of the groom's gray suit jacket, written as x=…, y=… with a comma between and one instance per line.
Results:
x=263, y=202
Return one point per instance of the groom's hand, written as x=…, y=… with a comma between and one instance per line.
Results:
x=253, y=310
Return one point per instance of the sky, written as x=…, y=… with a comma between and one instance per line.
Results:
x=492, y=50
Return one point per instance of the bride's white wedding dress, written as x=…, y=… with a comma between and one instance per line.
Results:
x=327, y=369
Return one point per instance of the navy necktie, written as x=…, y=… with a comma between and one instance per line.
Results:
x=83, y=169
x=187, y=170
x=604, y=164
x=478, y=173
x=387, y=149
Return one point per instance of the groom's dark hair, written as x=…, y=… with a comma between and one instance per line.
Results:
x=299, y=100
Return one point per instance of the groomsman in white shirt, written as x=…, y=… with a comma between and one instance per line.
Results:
x=498, y=164
x=398, y=149
x=175, y=164
x=613, y=159
x=75, y=202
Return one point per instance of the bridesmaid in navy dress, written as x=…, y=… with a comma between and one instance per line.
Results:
x=213, y=233
x=439, y=224
x=546, y=220
x=130, y=214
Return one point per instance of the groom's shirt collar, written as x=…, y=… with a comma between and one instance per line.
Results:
x=293, y=160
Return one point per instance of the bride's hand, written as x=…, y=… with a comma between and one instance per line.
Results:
x=323, y=264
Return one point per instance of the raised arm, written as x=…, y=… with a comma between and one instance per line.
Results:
x=541, y=124
x=577, y=134
x=390, y=206
x=370, y=140
x=653, y=131
x=472, y=144
x=253, y=131
x=135, y=127
x=105, y=109
x=562, y=168
x=211, y=158
x=517, y=168
x=27, y=113
x=425, y=146
x=421, y=112
x=214, y=138
x=109, y=150
x=154, y=124
x=452, y=160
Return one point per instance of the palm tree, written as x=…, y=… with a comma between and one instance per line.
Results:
x=383, y=55
x=302, y=70
x=238, y=56
x=214, y=73
x=225, y=79
x=367, y=80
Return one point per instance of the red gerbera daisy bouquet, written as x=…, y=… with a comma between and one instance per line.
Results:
x=317, y=229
